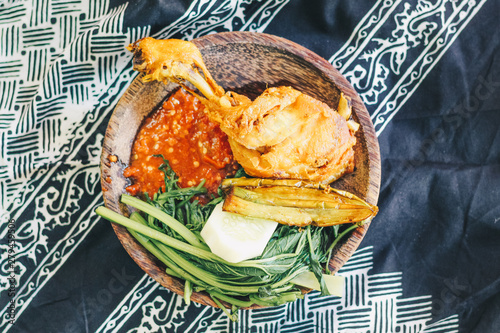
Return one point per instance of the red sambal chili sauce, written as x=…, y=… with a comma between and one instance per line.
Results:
x=195, y=147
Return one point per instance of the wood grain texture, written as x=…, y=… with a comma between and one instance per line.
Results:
x=246, y=63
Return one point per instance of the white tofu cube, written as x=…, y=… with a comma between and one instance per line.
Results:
x=235, y=237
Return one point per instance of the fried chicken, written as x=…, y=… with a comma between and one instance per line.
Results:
x=283, y=133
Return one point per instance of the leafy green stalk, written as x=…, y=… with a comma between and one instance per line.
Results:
x=170, y=230
x=153, y=249
x=173, y=273
x=277, y=299
x=315, y=266
x=169, y=256
x=231, y=300
x=335, y=242
x=257, y=267
x=201, y=274
x=153, y=233
x=187, y=191
x=165, y=218
x=182, y=203
x=232, y=316
x=188, y=291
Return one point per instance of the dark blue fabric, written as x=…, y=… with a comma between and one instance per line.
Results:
x=439, y=219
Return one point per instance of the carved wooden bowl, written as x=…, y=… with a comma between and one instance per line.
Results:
x=246, y=63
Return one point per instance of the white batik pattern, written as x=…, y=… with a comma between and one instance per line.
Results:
x=424, y=29
x=50, y=114
x=56, y=93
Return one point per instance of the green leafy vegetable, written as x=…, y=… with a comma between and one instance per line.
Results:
x=169, y=226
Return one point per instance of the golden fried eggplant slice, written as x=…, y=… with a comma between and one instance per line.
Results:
x=298, y=204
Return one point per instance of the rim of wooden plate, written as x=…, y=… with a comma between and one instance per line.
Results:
x=113, y=182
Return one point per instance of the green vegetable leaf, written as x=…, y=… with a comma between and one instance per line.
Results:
x=170, y=230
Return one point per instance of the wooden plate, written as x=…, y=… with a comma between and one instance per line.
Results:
x=247, y=63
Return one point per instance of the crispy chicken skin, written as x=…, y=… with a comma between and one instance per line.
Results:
x=308, y=152
x=283, y=133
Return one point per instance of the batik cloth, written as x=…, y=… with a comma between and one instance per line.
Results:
x=429, y=74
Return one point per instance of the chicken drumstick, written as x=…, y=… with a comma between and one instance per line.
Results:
x=283, y=133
